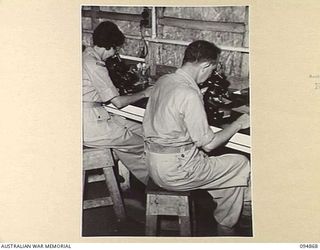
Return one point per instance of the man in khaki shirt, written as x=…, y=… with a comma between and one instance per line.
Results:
x=101, y=129
x=177, y=132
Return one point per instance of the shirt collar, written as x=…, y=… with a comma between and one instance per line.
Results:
x=92, y=52
x=191, y=81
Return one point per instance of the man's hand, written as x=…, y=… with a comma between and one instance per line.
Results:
x=225, y=134
x=243, y=121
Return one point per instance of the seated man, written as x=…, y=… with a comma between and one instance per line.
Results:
x=101, y=129
x=176, y=132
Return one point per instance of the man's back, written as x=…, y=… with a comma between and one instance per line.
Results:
x=175, y=114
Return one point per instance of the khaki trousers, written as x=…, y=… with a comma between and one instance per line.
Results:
x=125, y=139
x=225, y=177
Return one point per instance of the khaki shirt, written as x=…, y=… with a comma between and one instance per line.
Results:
x=97, y=87
x=175, y=114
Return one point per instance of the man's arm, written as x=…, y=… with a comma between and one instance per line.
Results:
x=224, y=135
x=106, y=89
x=122, y=101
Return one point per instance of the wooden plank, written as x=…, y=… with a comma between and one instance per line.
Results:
x=239, y=141
x=202, y=25
x=113, y=15
x=186, y=43
x=96, y=178
x=97, y=158
x=99, y=202
x=168, y=205
x=130, y=111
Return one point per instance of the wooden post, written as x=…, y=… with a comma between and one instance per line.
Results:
x=245, y=56
x=151, y=58
x=154, y=22
x=94, y=16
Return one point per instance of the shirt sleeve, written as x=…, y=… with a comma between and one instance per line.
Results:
x=102, y=82
x=195, y=119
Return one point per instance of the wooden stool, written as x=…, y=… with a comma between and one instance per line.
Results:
x=164, y=202
x=96, y=158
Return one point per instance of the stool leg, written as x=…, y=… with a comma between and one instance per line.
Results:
x=151, y=225
x=151, y=220
x=114, y=193
x=193, y=218
x=185, y=225
x=83, y=181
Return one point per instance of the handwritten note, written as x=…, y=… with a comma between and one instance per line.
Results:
x=315, y=80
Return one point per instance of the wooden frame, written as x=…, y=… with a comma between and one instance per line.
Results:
x=159, y=19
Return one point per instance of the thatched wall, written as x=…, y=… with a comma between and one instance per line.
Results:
x=223, y=14
x=232, y=61
x=235, y=63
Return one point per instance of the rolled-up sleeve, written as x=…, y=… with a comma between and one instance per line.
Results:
x=195, y=119
x=101, y=80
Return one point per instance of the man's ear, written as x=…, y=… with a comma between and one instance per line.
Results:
x=204, y=65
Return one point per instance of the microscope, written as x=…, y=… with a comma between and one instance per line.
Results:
x=127, y=79
x=216, y=98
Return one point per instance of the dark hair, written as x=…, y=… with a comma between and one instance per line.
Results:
x=107, y=35
x=201, y=51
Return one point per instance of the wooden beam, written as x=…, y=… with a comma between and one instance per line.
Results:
x=171, y=21
x=185, y=43
x=179, y=42
x=202, y=25
x=113, y=15
x=176, y=22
